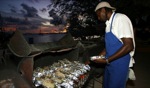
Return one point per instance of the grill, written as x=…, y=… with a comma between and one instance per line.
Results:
x=44, y=58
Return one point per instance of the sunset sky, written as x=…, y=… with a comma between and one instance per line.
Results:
x=15, y=6
x=36, y=12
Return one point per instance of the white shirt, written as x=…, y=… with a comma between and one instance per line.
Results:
x=122, y=28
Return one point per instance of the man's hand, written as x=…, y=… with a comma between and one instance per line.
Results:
x=102, y=61
x=87, y=62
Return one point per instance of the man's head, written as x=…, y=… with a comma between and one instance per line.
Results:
x=103, y=10
x=104, y=4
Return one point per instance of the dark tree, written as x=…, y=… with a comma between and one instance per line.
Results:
x=82, y=18
x=80, y=14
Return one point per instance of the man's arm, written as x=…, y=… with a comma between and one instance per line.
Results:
x=125, y=49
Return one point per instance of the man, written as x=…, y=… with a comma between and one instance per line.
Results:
x=119, y=48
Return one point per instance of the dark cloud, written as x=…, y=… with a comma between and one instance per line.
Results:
x=23, y=12
x=12, y=10
x=32, y=1
x=11, y=6
x=43, y=10
x=57, y=19
x=31, y=11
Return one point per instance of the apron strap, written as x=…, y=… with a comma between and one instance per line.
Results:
x=112, y=22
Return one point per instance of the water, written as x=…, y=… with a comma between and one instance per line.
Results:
x=42, y=38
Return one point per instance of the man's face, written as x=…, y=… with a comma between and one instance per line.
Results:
x=101, y=13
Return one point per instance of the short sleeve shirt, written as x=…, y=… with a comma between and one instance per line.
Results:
x=122, y=28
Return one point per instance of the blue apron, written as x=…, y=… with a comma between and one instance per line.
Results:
x=116, y=72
